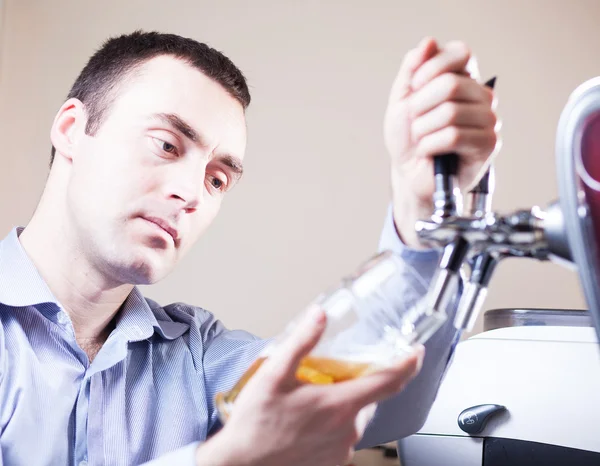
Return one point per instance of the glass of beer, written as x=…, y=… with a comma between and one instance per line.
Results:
x=374, y=318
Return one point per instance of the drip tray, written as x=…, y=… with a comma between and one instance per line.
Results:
x=502, y=318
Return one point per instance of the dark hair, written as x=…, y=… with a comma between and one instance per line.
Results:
x=119, y=56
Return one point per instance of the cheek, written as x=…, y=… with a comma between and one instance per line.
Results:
x=144, y=182
x=101, y=167
x=111, y=178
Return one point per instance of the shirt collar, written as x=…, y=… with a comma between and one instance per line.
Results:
x=22, y=285
x=137, y=320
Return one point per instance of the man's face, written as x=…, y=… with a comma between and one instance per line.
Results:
x=151, y=180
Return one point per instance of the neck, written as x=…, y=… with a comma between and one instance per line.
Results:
x=90, y=298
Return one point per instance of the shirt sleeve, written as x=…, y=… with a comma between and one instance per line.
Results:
x=227, y=355
x=405, y=413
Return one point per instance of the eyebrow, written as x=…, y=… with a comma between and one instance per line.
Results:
x=174, y=120
x=180, y=125
x=234, y=164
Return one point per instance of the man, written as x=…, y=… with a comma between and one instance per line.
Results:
x=150, y=139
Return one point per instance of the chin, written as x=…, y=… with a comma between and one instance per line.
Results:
x=143, y=274
x=144, y=268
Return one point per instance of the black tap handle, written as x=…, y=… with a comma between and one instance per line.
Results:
x=445, y=169
x=445, y=164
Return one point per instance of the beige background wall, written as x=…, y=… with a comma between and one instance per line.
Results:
x=313, y=199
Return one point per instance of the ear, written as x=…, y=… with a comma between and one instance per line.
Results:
x=68, y=127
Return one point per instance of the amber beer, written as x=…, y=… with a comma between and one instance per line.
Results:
x=363, y=322
x=314, y=370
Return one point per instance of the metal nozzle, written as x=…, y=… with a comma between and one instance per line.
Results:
x=472, y=300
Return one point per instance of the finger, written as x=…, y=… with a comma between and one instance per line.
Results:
x=349, y=456
x=448, y=87
x=467, y=142
x=412, y=61
x=284, y=362
x=364, y=418
x=452, y=58
x=380, y=385
x=453, y=114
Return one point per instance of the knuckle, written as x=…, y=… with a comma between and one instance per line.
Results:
x=401, y=384
x=336, y=416
x=451, y=112
x=461, y=49
x=493, y=119
x=315, y=400
x=335, y=422
x=453, y=135
x=451, y=83
x=417, y=130
x=325, y=401
x=410, y=56
x=492, y=140
x=391, y=390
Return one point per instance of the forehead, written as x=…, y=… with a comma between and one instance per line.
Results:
x=168, y=85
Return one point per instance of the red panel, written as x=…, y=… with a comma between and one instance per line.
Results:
x=590, y=156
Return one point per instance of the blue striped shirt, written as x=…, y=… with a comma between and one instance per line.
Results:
x=148, y=394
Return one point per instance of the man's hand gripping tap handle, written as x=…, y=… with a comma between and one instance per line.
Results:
x=479, y=238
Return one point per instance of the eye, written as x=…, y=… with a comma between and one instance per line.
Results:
x=165, y=146
x=217, y=183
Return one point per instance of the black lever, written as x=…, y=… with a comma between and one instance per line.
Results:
x=446, y=201
x=473, y=420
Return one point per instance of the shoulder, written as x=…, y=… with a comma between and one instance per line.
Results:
x=196, y=318
x=181, y=313
x=178, y=312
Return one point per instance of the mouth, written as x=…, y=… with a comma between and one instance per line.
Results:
x=164, y=226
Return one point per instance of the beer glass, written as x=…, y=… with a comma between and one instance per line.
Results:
x=374, y=318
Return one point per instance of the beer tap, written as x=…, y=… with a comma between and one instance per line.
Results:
x=480, y=238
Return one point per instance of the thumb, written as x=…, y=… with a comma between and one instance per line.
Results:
x=286, y=358
x=426, y=49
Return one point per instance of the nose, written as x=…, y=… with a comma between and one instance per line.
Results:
x=186, y=187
